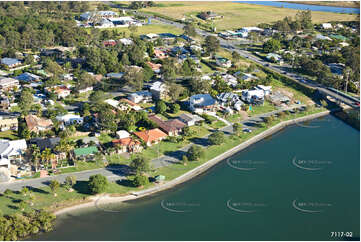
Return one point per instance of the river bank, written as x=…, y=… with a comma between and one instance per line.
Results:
x=106, y=199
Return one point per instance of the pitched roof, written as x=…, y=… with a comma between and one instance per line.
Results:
x=169, y=125
x=150, y=135
x=33, y=122
x=85, y=151
x=10, y=61
x=128, y=141
x=45, y=143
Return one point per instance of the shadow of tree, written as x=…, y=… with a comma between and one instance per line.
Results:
x=37, y=190
x=125, y=182
x=82, y=187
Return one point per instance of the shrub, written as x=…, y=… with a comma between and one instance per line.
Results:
x=195, y=152
x=140, y=180
x=217, y=138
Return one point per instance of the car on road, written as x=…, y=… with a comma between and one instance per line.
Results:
x=247, y=130
x=357, y=104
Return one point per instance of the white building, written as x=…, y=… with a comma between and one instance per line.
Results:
x=327, y=26
x=122, y=134
x=140, y=97
x=159, y=90
x=249, y=95
x=266, y=89
x=69, y=119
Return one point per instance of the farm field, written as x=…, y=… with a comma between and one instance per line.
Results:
x=237, y=15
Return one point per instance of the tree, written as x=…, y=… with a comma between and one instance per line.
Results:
x=211, y=44
x=271, y=45
x=25, y=101
x=134, y=77
x=175, y=108
x=97, y=184
x=22, y=205
x=195, y=152
x=54, y=186
x=53, y=67
x=140, y=165
x=24, y=191
x=190, y=30
x=305, y=19
x=175, y=91
x=97, y=96
x=237, y=128
x=107, y=119
x=217, y=138
x=184, y=160
x=236, y=56
x=160, y=107
x=69, y=183
x=140, y=180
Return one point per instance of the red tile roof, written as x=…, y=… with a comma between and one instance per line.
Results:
x=151, y=135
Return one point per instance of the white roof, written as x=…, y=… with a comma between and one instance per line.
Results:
x=327, y=25
x=67, y=117
x=12, y=147
x=122, y=134
x=125, y=19
x=112, y=102
x=151, y=36
x=264, y=88
x=126, y=41
x=158, y=86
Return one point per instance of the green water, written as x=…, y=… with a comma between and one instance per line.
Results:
x=261, y=184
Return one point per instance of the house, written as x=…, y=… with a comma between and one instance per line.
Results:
x=274, y=58
x=152, y=136
x=36, y=124
x=12, y=149
x=326, y=26
x=321, y=37
x=202, y=102
x=209, y=15
x=126, y=41
x=155, y=67
x=102, y=14
x=69, y=119
x=5, y=170
x=8, y=83
x=171, y=127
x=104, y=23
x=59, y=91
x=158, y=53
x=115, y=75
x=167, y=36
x=110, y=42
x=45, y=143
x=150, y=36
x=278, y=98
x=28, y=77
x=266, y=89
x=238, y=105
x=223, y=62
x=159, y=90
x=127, y=144
x=337, y=68
x=112, y=102
x=227, y=98
x=125, y=104
x=122, y=134
x=86, y=152
x=5, y=103
x=87, y=89
x=253, y=96
x=140, y=97
x=177, y=51
x=229, y=79
x=248, y=77
x=8, y=123
x=10, y=62
x=190, y=119
x=125, y=21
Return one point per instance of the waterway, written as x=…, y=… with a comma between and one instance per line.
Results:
x=300, y=6
x=302, y=183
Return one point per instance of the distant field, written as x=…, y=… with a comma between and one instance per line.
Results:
x=238, y=14
x=345, y=4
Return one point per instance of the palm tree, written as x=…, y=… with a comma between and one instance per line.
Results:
x=35, y=156
x=346, y=76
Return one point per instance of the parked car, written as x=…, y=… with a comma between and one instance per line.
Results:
x=246, y=130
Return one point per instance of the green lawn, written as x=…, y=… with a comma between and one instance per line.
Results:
x=234, y=118
x=105, y=138
x=9, y=134
x=267, y=107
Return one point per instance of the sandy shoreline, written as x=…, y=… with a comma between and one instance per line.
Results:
x=106, y=199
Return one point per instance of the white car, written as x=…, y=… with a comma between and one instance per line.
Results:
x=246, y=130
